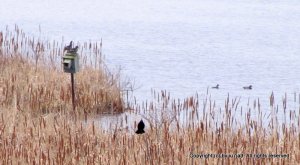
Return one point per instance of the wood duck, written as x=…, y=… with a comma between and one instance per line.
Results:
x=73, y=50
x=69, y=47
x=216, y=87
x=248, y=87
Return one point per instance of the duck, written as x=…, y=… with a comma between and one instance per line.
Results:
x=141, y=127
x=248, y=87
x=216, y=87
x=73, y=50
x=69, y=47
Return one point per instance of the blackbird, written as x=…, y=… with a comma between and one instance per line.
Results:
x=141, y=127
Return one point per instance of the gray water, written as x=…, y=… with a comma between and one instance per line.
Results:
x=181, y=46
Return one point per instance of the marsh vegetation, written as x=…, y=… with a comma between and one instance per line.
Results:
x=38, y=126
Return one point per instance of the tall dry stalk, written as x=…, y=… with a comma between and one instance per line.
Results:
x=36, y=126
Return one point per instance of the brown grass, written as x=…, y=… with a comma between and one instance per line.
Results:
x=34, y=128
x=32, y=78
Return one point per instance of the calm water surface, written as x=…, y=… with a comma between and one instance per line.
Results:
x=181, y=46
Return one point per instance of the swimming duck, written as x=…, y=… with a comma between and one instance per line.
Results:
x=216, y=87
x=248, y=87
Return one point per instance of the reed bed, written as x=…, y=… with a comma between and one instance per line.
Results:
x=32, y=78
x=35, y=128
x=171, y=138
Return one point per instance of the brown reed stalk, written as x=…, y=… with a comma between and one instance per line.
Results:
x=176, y=129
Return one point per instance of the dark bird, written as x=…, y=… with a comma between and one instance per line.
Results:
x=73, y=50
x=216, y=87
x=141, y=127
x=69, y=47
x=248, y=87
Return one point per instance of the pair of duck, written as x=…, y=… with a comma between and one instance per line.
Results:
x=246, y=87
x=70, y=48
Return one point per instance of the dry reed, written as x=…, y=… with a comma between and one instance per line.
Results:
x=32, y=78
x=34, y=128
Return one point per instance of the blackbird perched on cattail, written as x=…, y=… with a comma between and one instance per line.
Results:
x=141, y=127
x=69, y=47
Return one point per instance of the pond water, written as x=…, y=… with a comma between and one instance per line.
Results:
x=181, y=46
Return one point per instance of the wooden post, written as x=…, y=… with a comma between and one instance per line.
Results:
x=73, y=91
